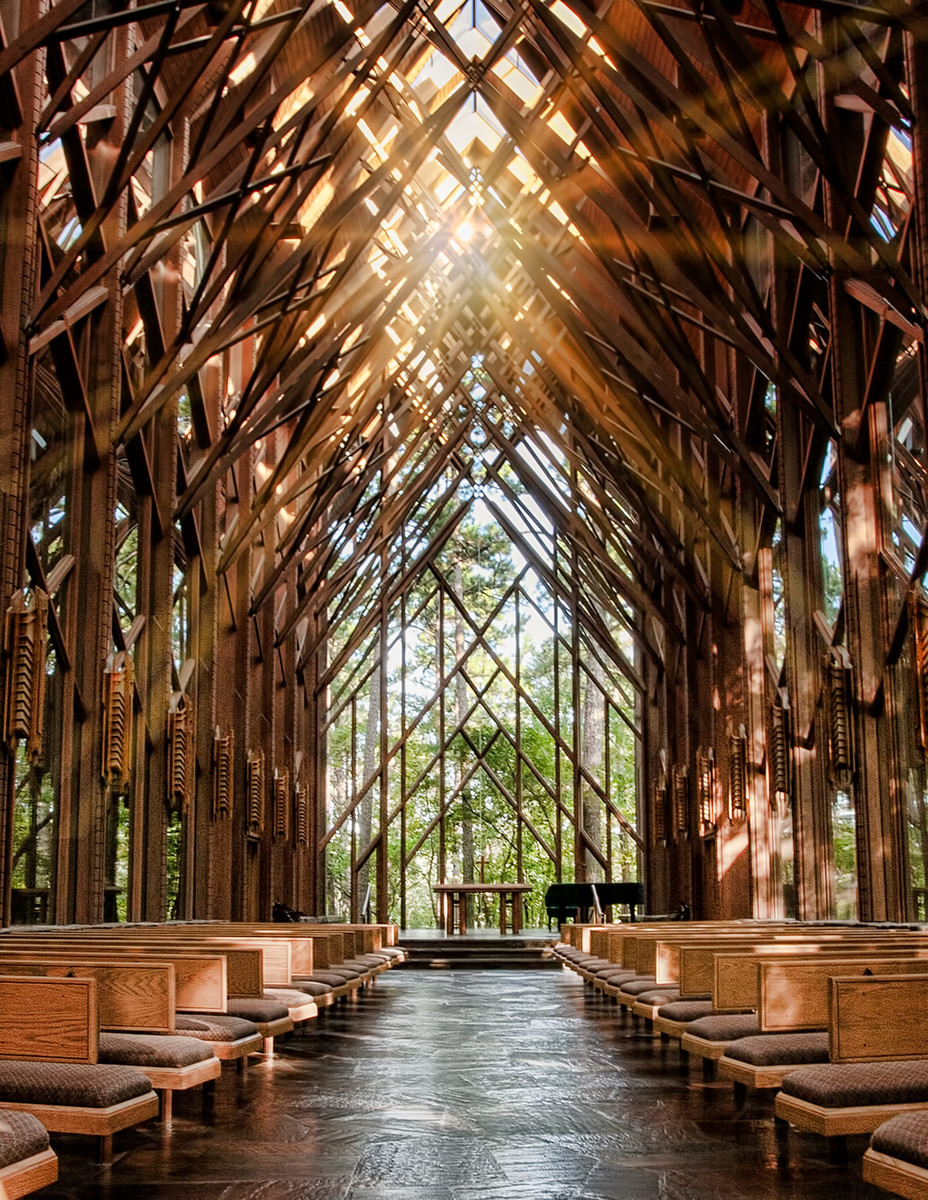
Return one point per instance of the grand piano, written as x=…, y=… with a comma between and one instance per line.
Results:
x=587, y=901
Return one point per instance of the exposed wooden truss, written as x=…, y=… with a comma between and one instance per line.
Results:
x=255, y=253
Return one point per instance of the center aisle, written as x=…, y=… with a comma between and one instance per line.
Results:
x=464, y=1085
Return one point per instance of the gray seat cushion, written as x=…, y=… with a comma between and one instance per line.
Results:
x=354, y=965
x=685, y=1010
x=256, y=1008
x=658, y=995
x=780, y=1049
x=855, y=1085
x=904, y=1137
x=21, y=1136
x=151, y=1050
x=308, y=987
x=725, y=1027
x=332, y=979
x=615, y=974
x=80, y=1084
x=635, y=987
x=290, y=997
x=214, y=1028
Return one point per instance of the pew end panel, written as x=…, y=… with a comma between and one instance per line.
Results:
x=877, y=1018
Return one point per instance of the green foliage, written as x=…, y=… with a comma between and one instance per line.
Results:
x=844, y=837
x=33, y=824
x=476, y=776
x=173, y=866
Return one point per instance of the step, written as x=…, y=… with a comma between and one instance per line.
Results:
x=474, y=963
x=476, y=953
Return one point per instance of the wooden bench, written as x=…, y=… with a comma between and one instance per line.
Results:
x=288, y=958
x=244, y=971
x=878, y=1068
x=897, y=1159
x=793, y=1015
x=135, y=1000
x=48, y=1062
x=27, y=1162
x=204, y=1021
x=732, y=977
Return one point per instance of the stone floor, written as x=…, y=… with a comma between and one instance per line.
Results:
x=454, y=1085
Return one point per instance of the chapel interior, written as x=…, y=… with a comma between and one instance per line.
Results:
x=463, y=550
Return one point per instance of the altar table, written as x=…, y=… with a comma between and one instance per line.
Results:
x=452, y=894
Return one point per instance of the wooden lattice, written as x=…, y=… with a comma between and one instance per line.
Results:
x=301, y=822
x=738, y=775
x=659, y=810
x=180, y=752
x=838, y=693
x=118, y=708
x=281, y=804
x=705, y=791
x=680, y=799
x=223, y=760
x=254, y=787
x=24, y=648
x=778, y=749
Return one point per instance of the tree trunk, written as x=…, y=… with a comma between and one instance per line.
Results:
x=460, y=706
x=592, y=760
x=365, y=811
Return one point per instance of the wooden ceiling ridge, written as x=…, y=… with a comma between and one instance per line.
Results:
x=602, y=307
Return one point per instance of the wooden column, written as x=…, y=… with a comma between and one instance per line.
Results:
x=20, y=100
x=94, y=516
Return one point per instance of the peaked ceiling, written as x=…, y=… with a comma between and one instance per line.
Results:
x=488, y=231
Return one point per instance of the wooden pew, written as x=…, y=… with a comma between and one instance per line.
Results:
x=308, y=956
x=689, y=962
x=276, y=957
x=132, y=998
x=245, y=958
x=693, y=964
x=618, y=944
x=201, y=978
x=733, y=980
x=730, y=972
x=892, y=1160
x=792, y=993
x=52, y=1023
x=795, y=999
x=873, y=1022
x=31, y=1162
x=228, y=1048
x=287, y=956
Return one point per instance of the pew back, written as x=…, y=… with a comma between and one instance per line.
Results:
x=200, y=978
x=130, y=995
x=48, y=1019
x=736, y=979
x=794, y=993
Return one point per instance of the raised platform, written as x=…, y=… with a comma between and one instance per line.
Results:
x=478, y=949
